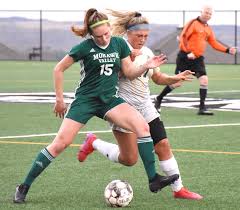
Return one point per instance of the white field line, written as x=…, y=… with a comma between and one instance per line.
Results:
x=109, y=131
x=72, y=93
x=217, y=91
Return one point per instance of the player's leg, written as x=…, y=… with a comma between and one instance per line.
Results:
x=79, y=111
x=127, y=154
x=127, y=117
x=159, y=98
x=167, y=161
x=127, y=157
x=161, y=144
x=64, y=138
x=203, y=82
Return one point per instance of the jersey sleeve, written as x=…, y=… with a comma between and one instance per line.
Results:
x=75, y=53
x=125, y=50
x=215, y=44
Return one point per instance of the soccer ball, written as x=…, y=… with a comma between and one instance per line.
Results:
x=118, y=193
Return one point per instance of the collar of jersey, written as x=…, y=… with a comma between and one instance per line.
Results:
x=102, y=47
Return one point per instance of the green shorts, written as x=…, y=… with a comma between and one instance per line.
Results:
x=83, y=108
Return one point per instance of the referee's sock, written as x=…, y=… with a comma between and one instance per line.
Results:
x=203, y=94
x=164, y=92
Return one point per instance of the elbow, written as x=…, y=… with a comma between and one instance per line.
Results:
x=57, y=69
x=129, y=76
x=159, y=82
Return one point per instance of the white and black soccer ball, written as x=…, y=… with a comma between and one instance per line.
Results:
x=118, y=193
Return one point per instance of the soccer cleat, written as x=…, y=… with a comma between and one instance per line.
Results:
x=86, y=148
x=20, y=194
x=157, y=104
x=159, y=182
x=204, y=112
x=186, y=194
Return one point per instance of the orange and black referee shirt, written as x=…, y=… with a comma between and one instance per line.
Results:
x=195, y=36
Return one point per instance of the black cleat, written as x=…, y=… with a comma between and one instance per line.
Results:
x=159, y=182
x=204, y=112
x=20, y=194
x=157, y=104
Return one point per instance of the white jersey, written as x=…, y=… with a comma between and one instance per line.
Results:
x=136, y=92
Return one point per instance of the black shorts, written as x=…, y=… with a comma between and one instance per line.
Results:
x=157, y=130
x=197, y=65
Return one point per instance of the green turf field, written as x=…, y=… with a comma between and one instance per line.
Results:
x=208, y=156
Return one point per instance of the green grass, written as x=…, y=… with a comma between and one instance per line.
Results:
x=66, y=184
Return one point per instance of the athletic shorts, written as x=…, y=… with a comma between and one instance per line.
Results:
x=84, y=107
x=157, y=130
x=148, y=112
x=196, y=65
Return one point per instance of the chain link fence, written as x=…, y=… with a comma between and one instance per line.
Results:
x=45, y=35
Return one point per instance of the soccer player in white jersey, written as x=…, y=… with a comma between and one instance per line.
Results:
x=136, y=92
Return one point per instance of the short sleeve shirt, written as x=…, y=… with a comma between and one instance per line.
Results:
x=99, y=67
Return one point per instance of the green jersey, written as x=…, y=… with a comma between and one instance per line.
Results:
x=99, y=67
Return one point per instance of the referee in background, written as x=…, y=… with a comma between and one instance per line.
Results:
x=192, y=43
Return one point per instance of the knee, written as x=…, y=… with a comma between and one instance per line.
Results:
x=204, y=84
x=145, y=129
x=130, y=160
x=163, y=143
x=162, y=148
x=58, y=145
x=142, y=130
x=203, y=80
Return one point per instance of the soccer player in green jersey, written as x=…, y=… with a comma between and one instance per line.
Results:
x=136, y=92
x=101, y=57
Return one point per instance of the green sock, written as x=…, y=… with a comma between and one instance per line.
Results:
x=146, y=151
x=41, y=162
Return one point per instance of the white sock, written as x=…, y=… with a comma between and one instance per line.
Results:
x=111, y=151
x=170, y=167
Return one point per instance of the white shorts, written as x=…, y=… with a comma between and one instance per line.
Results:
x=148, y=112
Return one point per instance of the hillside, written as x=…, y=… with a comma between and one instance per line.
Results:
x=20, y=35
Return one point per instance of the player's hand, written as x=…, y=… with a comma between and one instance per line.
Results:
x=135, y=53
x=233, y=50
x=156, y=61
x=60, y=109
x=186, y=75
x=191, y=56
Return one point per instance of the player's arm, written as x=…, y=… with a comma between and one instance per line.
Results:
x=160, y=78
x=132, y=72
x=65, y=63
x=135, y=53
x=220, y=47
x=215, y=44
